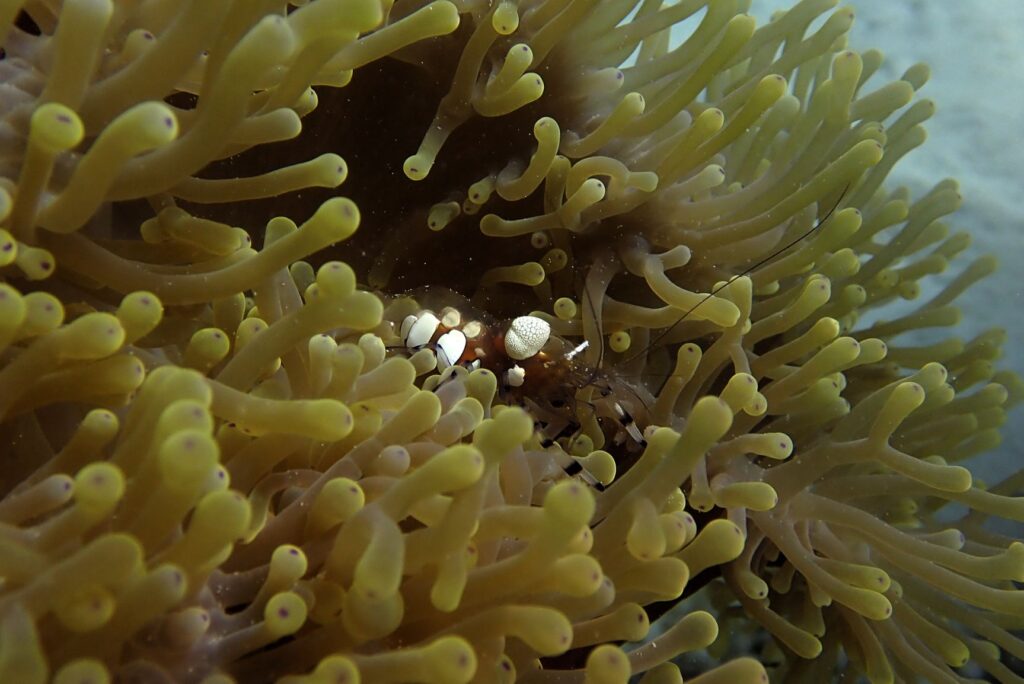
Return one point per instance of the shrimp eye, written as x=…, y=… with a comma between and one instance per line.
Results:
x=558, y=403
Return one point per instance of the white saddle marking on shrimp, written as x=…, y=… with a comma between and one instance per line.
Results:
x=450, y=346
x=422, y=330
x=515, y=376
x=406, y=327
x=526, y=336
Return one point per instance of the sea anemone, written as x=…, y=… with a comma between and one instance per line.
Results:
x=221, y=463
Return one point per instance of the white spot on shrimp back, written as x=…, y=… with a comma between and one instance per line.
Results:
x=422, y=330
x=526, y=336
x=515, y=376
x=450, y=347
x=407, y=326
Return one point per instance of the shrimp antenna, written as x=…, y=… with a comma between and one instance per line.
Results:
x=589, y=301
x=745, y=272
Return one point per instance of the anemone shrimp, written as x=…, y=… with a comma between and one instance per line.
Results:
x=533, y=368
x=579, y=406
